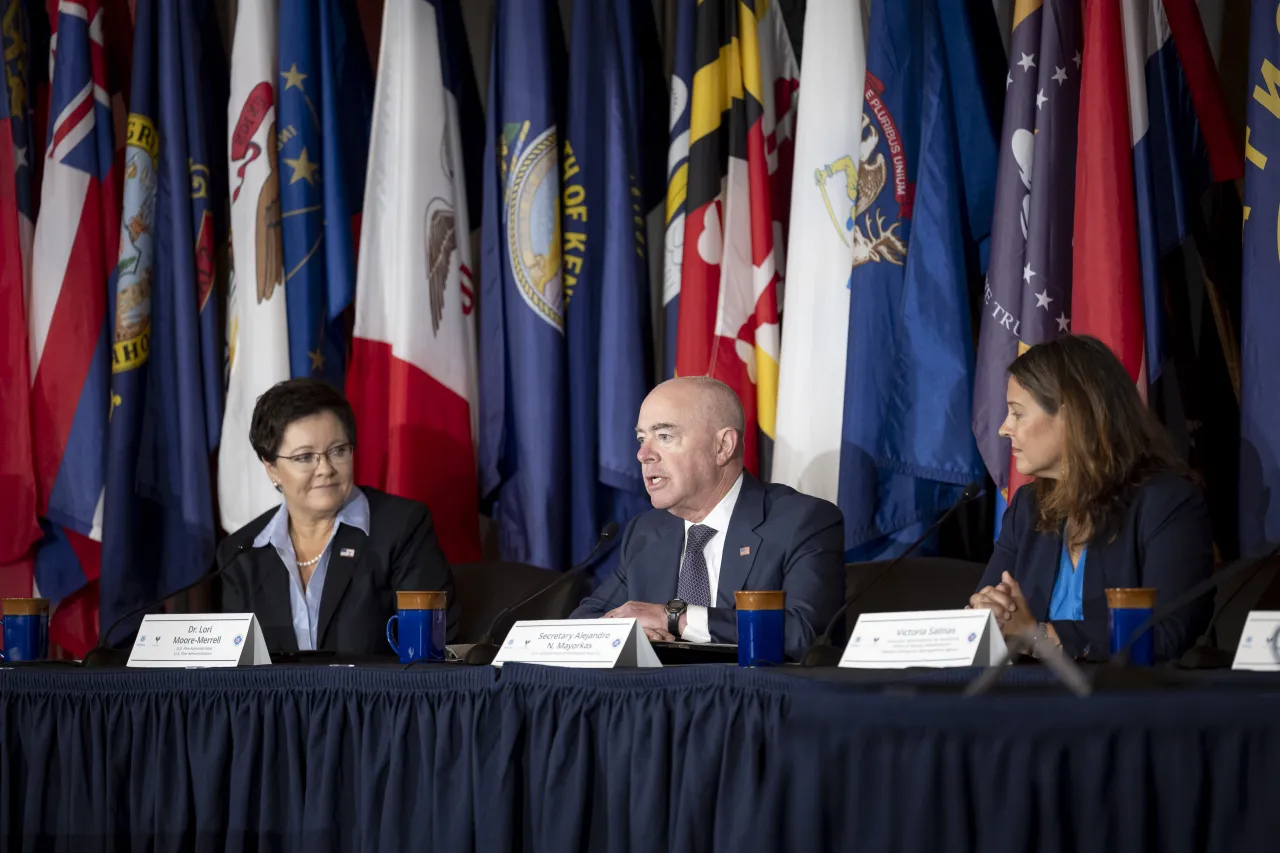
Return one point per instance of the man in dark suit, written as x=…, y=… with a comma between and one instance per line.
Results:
x=715, y=529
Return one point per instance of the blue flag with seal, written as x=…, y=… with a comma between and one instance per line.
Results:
x=906, y=447
x=325, y=97
x=610, y=180
x=158, y=524
x=1260, y=303
x=523, y=396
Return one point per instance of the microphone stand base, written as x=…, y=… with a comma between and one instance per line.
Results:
x=822, y=654
x=481, y=654
x=101, y=656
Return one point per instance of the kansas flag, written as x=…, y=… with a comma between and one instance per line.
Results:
x=906, y=447
x=523, y=403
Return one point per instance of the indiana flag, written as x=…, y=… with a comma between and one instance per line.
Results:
x=827, y=238
x=523, y=396
x=413, y=364
x=324, y=90
x=257, y=322
x=1027, y=298
x=19, y=528
x=740, y=154
x=677, y=179
x=74, y=257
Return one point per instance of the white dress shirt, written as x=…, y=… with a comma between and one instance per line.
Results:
x=696, y=629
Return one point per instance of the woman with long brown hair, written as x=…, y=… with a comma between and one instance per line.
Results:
x=1112, y=506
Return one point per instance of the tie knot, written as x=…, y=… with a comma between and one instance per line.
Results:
x=699, y=536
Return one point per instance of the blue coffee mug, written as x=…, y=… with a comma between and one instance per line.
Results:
x=761, y=618
x=1127, y=609
x=419, y=626
x=26, y=629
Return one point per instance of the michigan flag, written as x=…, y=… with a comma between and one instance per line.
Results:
x=906, y=446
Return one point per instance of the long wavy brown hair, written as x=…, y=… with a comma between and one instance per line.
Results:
x=1113, y=442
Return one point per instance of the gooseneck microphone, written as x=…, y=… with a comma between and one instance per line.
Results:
x=1162, y=613
x=822, y=653
x=486, y=649
x=103, y=654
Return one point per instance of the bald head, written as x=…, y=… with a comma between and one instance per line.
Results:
x=706, y=402
x=690, y=433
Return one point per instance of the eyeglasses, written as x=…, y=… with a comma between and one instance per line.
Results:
x=338, y=455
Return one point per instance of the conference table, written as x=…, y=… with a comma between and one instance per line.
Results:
x=445, y=757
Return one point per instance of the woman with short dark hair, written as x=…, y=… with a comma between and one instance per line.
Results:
x=322, y=570
x=1112, y=506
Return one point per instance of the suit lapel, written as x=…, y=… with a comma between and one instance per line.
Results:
x=345, y=553
x=741, y=544
x=271, y=597
x=662, y=551
x=1038, y=586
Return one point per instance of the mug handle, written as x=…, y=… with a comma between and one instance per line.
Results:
x=390, y=639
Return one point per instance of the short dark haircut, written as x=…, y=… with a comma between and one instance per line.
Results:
x=292, y=400
x=1113, y=441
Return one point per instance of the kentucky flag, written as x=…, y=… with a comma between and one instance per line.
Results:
x=523, y=396
x=1260, y=308
x=906, y=450
x=158, y=523
x=325, y=97
x=609, y=171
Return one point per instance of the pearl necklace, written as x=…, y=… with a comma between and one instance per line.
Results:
x=311, y=562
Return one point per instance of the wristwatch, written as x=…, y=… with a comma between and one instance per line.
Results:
x=675, y=609
x=1040, y=641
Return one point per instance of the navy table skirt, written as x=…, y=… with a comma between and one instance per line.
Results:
x=314, y=759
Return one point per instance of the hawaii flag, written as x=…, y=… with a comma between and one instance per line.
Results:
x=832, y=138
x=413, y=367
x=742, y=116
x=257, y=324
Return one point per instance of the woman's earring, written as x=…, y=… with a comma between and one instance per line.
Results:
x=279, y=488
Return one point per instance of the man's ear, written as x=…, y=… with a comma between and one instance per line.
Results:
x=728, y=445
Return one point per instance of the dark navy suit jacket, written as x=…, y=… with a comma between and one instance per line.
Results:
x=1164, y=542
x=793, y=542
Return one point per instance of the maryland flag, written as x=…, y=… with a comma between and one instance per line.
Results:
x=740, y=145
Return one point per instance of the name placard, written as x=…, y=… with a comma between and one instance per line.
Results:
x=580, y=643
x=199, y=640
x=934, y=638
x=1259, y=647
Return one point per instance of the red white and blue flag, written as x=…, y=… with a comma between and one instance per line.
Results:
x=74, y=258
x=19, y=529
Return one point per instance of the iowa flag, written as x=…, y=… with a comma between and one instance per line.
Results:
x=741, y=122
x=413, y=365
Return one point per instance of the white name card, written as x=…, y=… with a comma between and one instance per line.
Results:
x=936, y=638
x=1259, y=648
x=199, y=640
x=580, y=643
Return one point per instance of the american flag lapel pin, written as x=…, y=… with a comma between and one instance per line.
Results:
x=347, y=552
x=744, y=551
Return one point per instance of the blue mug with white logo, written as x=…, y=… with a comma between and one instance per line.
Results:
x=26, y=629
x=417, y=631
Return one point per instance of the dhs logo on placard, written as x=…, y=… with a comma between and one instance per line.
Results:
x=239, y=639
x=617, y=642
x=973, y=637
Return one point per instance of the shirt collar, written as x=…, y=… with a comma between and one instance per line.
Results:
x=718, y=519
x=354, y=512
